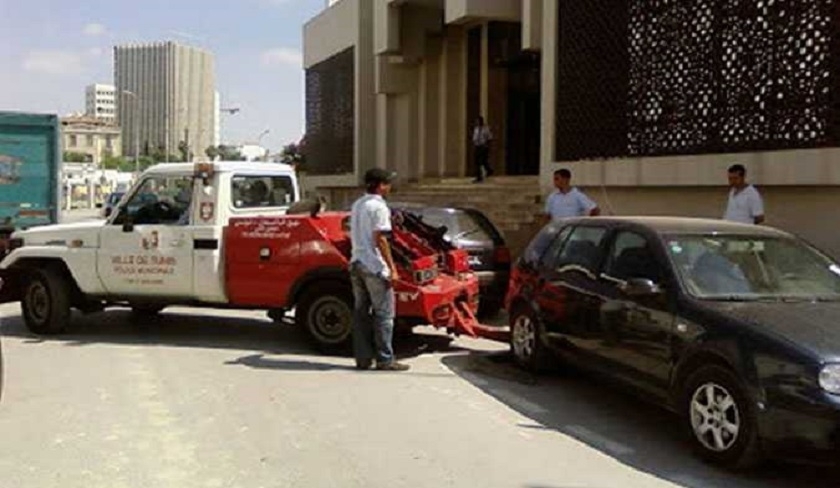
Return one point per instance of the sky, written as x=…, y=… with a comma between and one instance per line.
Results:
x=51, y=49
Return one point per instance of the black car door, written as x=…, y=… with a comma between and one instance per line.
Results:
x=568, y=298
x=636, y=326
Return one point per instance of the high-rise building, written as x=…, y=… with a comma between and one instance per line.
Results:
x=167, y=98
x=217, y=131
x=100, y=102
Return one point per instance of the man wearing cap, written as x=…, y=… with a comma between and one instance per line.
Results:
x=372, y=272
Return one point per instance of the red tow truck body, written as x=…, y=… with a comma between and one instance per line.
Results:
x=271, y=262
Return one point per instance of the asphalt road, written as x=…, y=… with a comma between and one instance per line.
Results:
x=204, y=398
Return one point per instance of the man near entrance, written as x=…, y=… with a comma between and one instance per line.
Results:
x=568, y=201
x=745, y=204
x=481, y=146
x=372, y=273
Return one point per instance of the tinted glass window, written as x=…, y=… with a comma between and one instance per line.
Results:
x=582, y=249
x=632, y=257
x=540, y=243
x=459, y=224
x=262, y=191
x=550, y=256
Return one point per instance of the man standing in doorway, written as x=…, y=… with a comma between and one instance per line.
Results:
x=481, y=145
x=745, y=204
x=568, y=201
x=372, y=274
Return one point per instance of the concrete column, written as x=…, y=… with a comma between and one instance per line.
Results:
x=429, y=116
x=452, y=126
x=549, y=91
x=532, y=24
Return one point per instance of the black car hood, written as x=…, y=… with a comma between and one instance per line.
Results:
x=814, y=326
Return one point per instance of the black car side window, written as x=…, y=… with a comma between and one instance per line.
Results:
x=552, y=248
x=582, y=249
x=631, y=256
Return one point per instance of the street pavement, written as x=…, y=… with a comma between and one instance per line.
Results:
x=211, y=398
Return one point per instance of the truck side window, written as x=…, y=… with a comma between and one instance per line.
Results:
x=262, y=191
x=162, y=200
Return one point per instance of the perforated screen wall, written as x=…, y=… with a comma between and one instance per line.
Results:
x=330, y=115
x=660, y=77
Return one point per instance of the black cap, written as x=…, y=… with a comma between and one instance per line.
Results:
x=378, y=175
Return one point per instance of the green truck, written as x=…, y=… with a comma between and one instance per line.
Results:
x=30, y=172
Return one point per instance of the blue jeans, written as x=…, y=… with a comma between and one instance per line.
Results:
x=373, y=315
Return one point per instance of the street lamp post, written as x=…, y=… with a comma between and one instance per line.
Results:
x=136, y=129
x=259, y=142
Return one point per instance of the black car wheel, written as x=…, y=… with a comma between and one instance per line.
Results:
x=526, y=341
x=326, y=312
x=46, y=302
x=720, y=418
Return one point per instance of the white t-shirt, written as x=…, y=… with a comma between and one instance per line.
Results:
x=482, y=135
x=370, y=214
x=744, y=206
x=572, y=204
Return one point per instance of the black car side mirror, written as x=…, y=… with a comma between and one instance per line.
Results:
x=640, y=287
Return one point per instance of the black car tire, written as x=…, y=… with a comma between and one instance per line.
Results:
x=325, y=311
x=45, y=305
x=526, y=344
x=729, y=405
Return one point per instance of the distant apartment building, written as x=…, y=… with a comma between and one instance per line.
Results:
x=167, y=97
x=91, y=136
x=101, y=101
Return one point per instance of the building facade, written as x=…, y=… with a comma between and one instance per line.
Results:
x=94, y=137
x=101, y=102
x=167, y=97
x=646, y=101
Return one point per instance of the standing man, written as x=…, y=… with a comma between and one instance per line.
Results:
x=372, y=274
x=745, y=204
x=481, y=144
x=568, y=201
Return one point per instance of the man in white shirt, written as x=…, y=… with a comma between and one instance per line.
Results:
x=568, y=201
x=481, y=145
x=372, y=273
x=745, y=204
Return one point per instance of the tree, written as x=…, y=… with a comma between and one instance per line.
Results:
x=115, y=162
x=292, y=155
x=212, y=152
x=76, y=157
x=230, y=153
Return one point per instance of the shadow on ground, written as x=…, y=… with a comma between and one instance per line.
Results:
x=618, y=424
x=201, y=331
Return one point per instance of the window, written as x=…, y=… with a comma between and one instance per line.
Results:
x=632, y=257
x=540, y=243
x=159, y=200
x=550, y=256
x=89, y=140
x=73, y=141
x=582, y=249
x=262, y=191
x=109, y=142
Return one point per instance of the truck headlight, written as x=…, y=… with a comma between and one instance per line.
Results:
x=830, y=378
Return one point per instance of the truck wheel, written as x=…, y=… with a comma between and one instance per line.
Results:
x=326, y=312
x=46, y=302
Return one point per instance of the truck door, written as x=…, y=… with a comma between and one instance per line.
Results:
x=146, y=247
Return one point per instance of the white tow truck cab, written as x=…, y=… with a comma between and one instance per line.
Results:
x=161, y=245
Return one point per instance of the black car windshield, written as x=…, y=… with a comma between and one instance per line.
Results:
x=737, y=267
x=459, y=224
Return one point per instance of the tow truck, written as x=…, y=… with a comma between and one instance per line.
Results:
x=231, y=235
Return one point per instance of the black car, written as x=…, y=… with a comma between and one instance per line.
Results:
x=734, y=327
x=471, y=230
